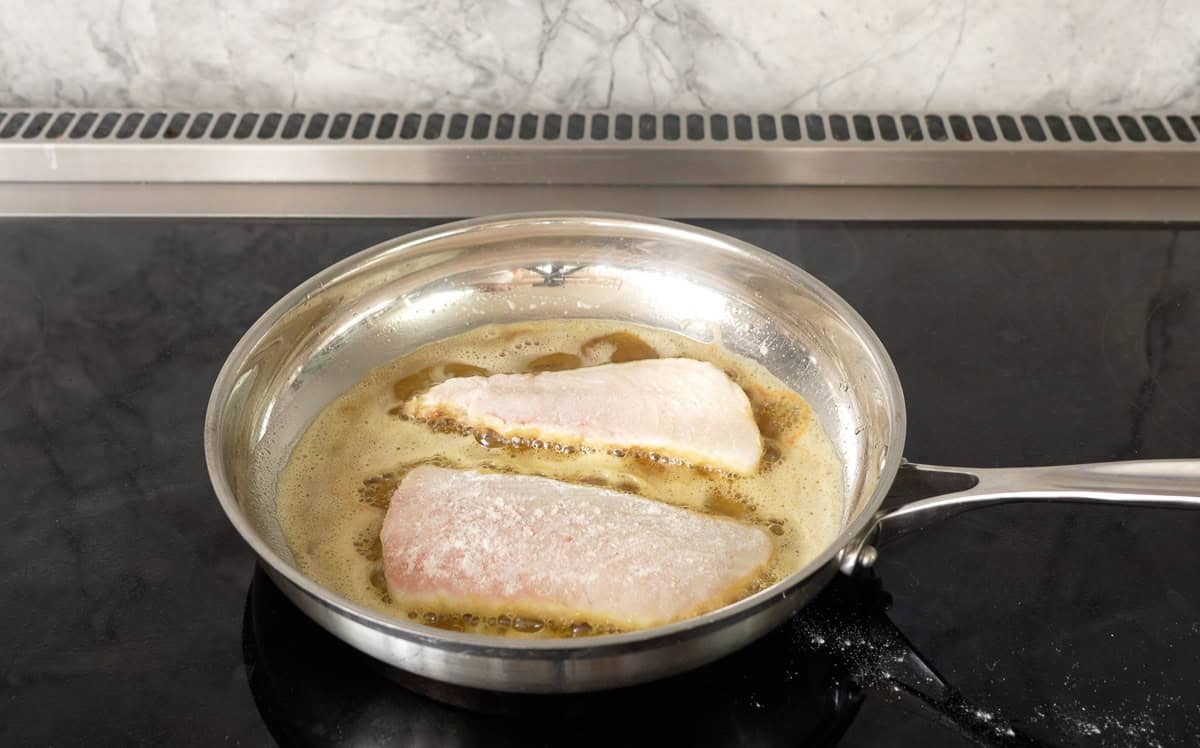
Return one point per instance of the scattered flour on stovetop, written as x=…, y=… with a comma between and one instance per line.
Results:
x=1129, y=724
x=874, y=658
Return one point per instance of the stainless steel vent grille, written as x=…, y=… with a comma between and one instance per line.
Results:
x=583, y=128
x=1143, y=166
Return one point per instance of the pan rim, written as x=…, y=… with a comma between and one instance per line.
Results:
x=586, y=647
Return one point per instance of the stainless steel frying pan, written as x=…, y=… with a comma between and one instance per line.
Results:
x=388, y=300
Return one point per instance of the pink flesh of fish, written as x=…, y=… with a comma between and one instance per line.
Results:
x=676, y=407
x=480, y=542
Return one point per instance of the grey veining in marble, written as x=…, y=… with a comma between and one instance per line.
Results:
x=683, y=54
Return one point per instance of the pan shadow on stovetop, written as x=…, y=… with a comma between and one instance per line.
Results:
x=801, y=685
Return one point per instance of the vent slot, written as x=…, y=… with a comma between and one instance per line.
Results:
x=411, y=125
x=1082, y=129
x=481, y=127
x=983, y=126
x=270, y=126
x=293, y=125
x=14, y=125
x=718, y=127
x=83, y=125
x=552, y=127
x=862, y=128
x=153, y=124
x=527, y=130
x=742, y=128
x=1107, y=129
x=600, y=127
x=339, y=126
x=199, y=126
x=245, y=127
x=1157, y=129
x=1180, y=127
x=61, y=123
x=767, y=130
x=791, y=127
x=387, y=126
x=316, y=126
x=647, y=127
x=36, y=125
x=223, y=125
x=912, y=128
x=936, y=128
x=1033, y=128
x=1130, y=126
x=576, y=126
x=623, y=127
x=1058, y=129
x=815, y=126
x=363, y=126
x=129, y=127
x=504, y=126
x=839, y=128
x=433, y=126
x=671, y=129
x=1009, y=128
x=960, y=128
x=176, y=125
x=887, y=128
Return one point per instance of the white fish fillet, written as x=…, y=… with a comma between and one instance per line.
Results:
x=486, y=542
x=677, y=407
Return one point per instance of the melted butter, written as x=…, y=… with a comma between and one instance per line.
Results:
x=555, y=362
x=334, y=491
x=624, y=346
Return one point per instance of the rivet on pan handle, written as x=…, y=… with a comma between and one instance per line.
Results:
x=948, y=491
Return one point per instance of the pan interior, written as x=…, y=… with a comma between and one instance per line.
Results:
x=396, y=297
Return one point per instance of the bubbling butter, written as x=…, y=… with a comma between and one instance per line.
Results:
x=334, y=491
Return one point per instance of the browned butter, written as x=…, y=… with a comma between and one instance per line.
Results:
x=334, y=491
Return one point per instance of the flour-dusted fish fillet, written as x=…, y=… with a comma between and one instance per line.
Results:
x=677, y=407
x=488, y=542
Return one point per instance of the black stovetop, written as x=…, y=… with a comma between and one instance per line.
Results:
x=133, y=614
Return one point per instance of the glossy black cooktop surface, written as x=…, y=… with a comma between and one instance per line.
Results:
x=133, y=614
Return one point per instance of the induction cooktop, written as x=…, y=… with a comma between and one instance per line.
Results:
x=1030, y=325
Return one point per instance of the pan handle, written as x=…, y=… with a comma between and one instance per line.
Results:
x=924, y=494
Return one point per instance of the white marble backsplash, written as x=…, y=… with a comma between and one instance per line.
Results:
x=1033, y=55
